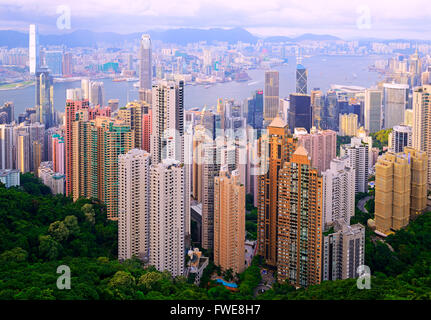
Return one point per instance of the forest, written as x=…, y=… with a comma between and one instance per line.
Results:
x=40, y=231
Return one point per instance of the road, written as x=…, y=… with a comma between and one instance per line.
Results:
x=362, y=202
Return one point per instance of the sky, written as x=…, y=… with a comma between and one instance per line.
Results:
x=385, y=19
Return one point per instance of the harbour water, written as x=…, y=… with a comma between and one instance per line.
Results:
x=322, y=72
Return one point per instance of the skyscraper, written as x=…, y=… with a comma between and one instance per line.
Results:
x=321, y=145
x=74, y=102
x=6, y=146
x=133, y=114
x=167, y=121
x=343, y=251
x=272, y=96
x=167, y=215
x=301, y=79
x=229, y=221
x=134, y=204
x=358, y=160
x=145, y=66
x=23, y=152
x=96, y=93
x=421, y=131
x=395, y=100
x=348, y=124
x=33, y=49
x=300, y=113
x=44, y=98
x=338, y=192
x=255, y=110
x=275, y=148
x=400, y=137
x=392, y=199
x=373, y=110
x=118, y=139
x=299, y=228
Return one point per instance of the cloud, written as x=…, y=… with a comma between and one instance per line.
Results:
x=389, y=18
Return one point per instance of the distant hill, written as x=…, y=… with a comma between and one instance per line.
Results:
x=306, y=36
x=85, y=38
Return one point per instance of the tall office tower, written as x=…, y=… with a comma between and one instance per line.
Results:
x=272, y=96
x=133, y=204
x=208, y=121
x=167, y=216
x=359, y=159
x=54, y=62
x=255, y=110
x=85, y=88
x=9, y=109
x=44, y=98
x=33, y=49
x=7, y=146
x=58, y=155
x=133, y=115
x=300, y=223
x=419, y=184
x=74, y=103
x=421, y=131
x=37, y=147
x=229, y=221
x=321, y=145
x=145, y=66
x=338, y=192
x=23, y=152
x=331, y=110
x=373, y=110
x=395, y=101
x=392, y=192
x=301, y=79
x=167, y=121
x=400, y=137
x=317, y=101
x=343, y=251
x=275, y=148
x=113, y=104
x=348, y=124
x=96, y=93
x=67, y=64
x=118, y=139
x=300, y=114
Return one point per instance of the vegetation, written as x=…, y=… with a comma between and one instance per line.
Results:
x=342, y=140
x=40, y=231
x=380, y=138
x=250, y=218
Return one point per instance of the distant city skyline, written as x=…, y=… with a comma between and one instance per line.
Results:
x=368, y=19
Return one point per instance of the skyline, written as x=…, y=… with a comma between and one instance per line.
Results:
x=381, y=19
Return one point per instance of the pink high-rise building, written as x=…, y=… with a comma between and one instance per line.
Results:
x=58, y=153
x=321, y=145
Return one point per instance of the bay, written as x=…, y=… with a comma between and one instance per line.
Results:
x=323, y=71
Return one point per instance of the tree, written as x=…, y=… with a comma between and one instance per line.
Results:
x=58, y=230
x=71, y=223
x=48, y=247
x=17, y=254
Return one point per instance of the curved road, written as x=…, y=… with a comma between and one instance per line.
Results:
x=362, y=202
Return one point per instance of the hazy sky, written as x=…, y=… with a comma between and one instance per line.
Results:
x=347, y=19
